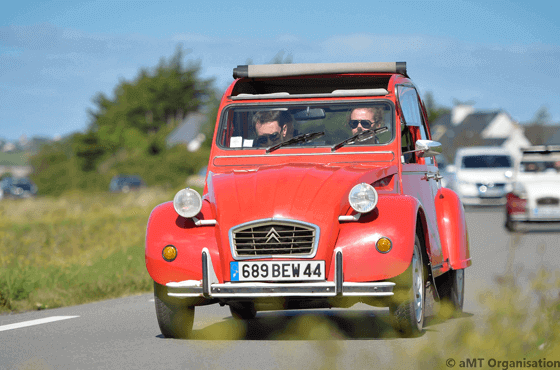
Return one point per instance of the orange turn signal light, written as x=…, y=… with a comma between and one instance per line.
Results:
x=384, y=245
x=169, y=253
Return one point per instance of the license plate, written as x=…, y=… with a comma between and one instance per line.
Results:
x=492, y=193
x=546, y=212
x=277, y=270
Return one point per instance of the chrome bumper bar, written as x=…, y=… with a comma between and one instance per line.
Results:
x=531, y=218
x=210, y=287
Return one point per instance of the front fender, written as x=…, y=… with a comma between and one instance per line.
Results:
x=452, y=227
x=166, y=227
x=394, y=218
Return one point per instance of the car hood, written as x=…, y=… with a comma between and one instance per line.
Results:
x=483, y=175
x=297, y=191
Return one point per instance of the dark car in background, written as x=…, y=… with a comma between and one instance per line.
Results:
x=14, y=187
x=125, y=183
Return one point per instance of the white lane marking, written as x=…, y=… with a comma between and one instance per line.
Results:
x=35, y=322
x=152, y=300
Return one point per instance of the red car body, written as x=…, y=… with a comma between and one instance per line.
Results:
x=309, y=185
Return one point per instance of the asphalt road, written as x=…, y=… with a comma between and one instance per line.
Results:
x=123, y=333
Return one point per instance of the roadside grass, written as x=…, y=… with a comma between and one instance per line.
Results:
x=74, y=249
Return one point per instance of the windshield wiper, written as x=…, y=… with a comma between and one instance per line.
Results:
x=298, y=139
x=362, y=136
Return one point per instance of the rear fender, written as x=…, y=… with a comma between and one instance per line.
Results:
x=166, y=227
x=394, y=218
x=452, y=229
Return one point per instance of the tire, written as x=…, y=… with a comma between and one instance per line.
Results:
x=408, y=315
x=452, y=290
x=175, y=318
x=243, y=310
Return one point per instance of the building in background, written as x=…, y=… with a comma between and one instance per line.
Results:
x=188, y=132
x=465, y=127
x=554, y=139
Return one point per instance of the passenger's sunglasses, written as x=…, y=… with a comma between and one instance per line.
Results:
x=355, y=122
x=264, y=140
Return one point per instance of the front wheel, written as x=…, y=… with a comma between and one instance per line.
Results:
x=408, y=316
x=175, y=318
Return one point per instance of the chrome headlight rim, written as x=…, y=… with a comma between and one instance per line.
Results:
x=361, y=205
x=187, y=203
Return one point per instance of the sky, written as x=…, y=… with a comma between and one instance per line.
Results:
x=55, y=56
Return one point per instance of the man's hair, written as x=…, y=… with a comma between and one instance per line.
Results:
x=283, y=117
x=377, y=113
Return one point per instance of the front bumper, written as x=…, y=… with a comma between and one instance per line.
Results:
x=209, y=286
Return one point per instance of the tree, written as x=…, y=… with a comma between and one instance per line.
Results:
x=541, y=117
x=154, y=100
x=88, y=149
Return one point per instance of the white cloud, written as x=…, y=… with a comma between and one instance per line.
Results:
x=194, y=38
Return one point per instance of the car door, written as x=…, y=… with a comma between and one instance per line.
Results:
x=420, y=176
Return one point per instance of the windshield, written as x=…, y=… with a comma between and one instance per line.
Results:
x=264, y=126
x=486, y=161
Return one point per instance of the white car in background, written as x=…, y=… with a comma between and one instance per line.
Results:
x=481, y=175
x=535, y=196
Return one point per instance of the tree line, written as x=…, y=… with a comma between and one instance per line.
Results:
x=127, y=132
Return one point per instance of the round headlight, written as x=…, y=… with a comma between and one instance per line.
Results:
x=187, y=202
x=363, y=198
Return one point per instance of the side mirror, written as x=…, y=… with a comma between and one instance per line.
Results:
x=428, y=148
x=451, y=168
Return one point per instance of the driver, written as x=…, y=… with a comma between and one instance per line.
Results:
x=362, y=119
x=272, y=127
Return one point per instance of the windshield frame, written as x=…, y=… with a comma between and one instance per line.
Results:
x=313, y=104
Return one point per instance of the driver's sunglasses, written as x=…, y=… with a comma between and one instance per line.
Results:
x=265, y=140
x=364, y=122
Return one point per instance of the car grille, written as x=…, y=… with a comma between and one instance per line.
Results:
x=548, y=201
x=274, y=238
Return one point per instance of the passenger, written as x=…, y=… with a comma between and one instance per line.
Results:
x=362, y=119
x=531, y=167
x=272, y=127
